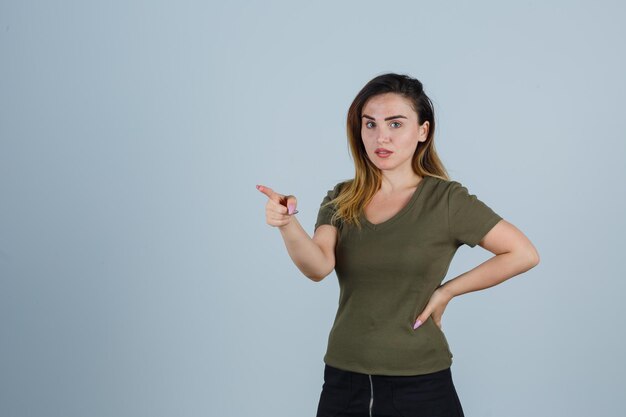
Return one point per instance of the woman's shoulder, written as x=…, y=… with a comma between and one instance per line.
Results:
x=442, y=189
x=338, y=187
x=445, y=184
x=440, y=181
x=438, y=184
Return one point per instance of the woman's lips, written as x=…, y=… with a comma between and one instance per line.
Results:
x=383, y=154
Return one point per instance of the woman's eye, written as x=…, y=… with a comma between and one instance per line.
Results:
x=369, y=123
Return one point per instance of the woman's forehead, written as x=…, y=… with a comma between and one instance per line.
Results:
x=380, y=107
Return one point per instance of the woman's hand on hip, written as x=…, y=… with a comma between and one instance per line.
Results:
x=435, y=308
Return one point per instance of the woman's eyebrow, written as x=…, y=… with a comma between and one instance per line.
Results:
x=399, y=116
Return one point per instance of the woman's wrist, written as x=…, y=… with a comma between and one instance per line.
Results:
x=447, y=291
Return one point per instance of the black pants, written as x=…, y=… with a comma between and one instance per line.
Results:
x=347, y=393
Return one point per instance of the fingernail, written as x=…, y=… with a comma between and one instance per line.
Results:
x=417, y=324
x=290, y=206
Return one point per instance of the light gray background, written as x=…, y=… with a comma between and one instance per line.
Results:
x=138, y=274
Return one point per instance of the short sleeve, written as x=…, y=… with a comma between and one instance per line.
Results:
x=325, y=214
x=469, y=219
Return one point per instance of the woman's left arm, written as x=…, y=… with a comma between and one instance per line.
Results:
x=514, y=254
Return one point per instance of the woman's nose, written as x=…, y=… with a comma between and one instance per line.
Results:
x=383, y=137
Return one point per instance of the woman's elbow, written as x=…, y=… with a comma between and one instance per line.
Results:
x=533, y=257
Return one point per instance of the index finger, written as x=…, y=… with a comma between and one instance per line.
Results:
x=268, y=192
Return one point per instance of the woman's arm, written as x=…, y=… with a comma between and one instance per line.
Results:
x=315, y=257
x=514, y=252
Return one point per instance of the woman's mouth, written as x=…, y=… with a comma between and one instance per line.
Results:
x=383, y=154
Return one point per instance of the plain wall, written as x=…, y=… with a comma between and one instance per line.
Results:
x=138, y=276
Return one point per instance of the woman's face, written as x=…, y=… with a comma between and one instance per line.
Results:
x=388, y=121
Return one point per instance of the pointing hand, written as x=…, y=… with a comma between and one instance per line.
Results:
x=279, y=207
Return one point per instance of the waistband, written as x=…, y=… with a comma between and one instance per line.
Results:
x=356, y=376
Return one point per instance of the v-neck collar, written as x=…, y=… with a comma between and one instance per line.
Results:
x=395, y=217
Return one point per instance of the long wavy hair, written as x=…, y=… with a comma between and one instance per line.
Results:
x=356, y=193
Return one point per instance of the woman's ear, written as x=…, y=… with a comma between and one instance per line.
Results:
x=423, y=131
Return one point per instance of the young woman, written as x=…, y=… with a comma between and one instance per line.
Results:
x=390, y=234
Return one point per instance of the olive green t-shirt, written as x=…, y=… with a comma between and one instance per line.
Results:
x=387, y=273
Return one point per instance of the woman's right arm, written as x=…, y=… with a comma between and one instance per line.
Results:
x=314, y=257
